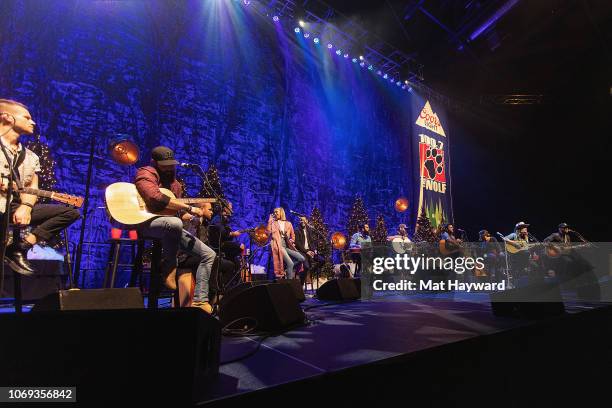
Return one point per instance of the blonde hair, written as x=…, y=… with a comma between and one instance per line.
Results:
x=9, y=102
x=283, y=217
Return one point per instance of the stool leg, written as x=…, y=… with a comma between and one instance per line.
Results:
x=68, y=261
x=115, y=264
x=137, y=265
x=110, y=263
x=155, y=277
x=17, y=292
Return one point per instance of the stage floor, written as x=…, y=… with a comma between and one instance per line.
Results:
x=339, y=336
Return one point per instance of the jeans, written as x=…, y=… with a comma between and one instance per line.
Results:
x=289, y=256
x=172, y=235
x=49, y=219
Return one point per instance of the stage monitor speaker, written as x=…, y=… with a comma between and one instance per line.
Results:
x=531, y=302
x=91, y=299
x=271, y=307
x=339, y=289
x=297, y=288
x=114, y=357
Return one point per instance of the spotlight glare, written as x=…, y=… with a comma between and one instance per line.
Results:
x=296, y=29
x=398, y=83
x=306, y=35
x=410, y=89
x=338, y=52
x=385, y=76
x=330, y=46
x=316, y=40
x=354, y=60
x=379, y=72
x=275, y=18
x=301, y=23
x=246, y=2
x=362, y=64
x=361, y=57
x=346, y=55
x=406, y=82
x=370, y=67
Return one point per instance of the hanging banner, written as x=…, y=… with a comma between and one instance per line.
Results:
x=430, y=142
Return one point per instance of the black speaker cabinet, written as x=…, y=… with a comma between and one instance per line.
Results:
x=91, y=299
x=531, y=302
x=140, y=356
x=297, y=288
x=339, y=289
x=48, y=278
x=270, y=307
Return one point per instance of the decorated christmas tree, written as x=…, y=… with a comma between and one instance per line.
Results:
x=424, y=231
x=46, y=177
x=323, y=245
x=379, y=235
x=214, y=184
x=358, y=215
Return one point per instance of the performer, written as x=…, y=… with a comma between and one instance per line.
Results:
x=360, y=241
x=564, y=235
x=305, y=242
x=149, y=179
x=452, y=242
x=402, y=233
x=520, y=240
x=490, y=251
x=49, y=219
x=220, y=235
x=284, y=252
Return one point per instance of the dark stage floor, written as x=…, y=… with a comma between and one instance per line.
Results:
x=345, y=335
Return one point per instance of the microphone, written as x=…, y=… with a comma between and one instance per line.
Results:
x=502, y=236
x=460, y=230
x=298, y=214
x=188, y=165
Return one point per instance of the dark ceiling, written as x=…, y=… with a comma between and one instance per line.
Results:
x=536, y=47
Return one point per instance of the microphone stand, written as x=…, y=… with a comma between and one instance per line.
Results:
x=508, y=277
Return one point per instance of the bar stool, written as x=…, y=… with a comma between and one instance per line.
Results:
x=15, y=230
x=138, y=248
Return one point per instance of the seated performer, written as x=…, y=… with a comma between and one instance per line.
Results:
x=220, y=235
x=564, y=235
x=452, y=242
x=520, y=240
x=359, y=241
x=284, y=252
x=149, y=179
x=305, y=243
x=49, y=219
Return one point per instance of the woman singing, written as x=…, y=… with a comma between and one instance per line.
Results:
x=283, y=247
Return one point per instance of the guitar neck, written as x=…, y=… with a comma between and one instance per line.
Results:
x=36, y=192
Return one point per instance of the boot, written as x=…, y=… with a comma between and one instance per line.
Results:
x=17, y=257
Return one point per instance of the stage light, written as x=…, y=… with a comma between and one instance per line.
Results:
x=346, y=55
x=296, y=29
x=379, y=72
x=398, y=83
x=403, y=86
x=301, y=23
x=316, y=40
x=275, y=18
x=354, y=60
x=410, y=89
x=362, y=64
x=330, y=46
x=370, y=67
x=391, y=80
x=246, y=2
x=338, y=52
x=385, y=76
x=406, y=82
x=306, y=35
x=361, y=57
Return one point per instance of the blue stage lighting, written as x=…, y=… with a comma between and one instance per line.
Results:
x=370, y=67
x=379, y=72
x=338, y=52
x=275, y=18
x=385, y=76
x=246, y=2
x=355, y=60
x=362, y=64
x=361, y=57
x=316, y=40
x=410, y=89
x=398, y=83
x=301, y=23
x=330, y=46
x=306, y=35
x=296, y=29
x=346, y=55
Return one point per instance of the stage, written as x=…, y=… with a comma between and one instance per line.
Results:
x=426, y=343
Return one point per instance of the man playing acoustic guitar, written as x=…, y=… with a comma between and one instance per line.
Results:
x=169, y=229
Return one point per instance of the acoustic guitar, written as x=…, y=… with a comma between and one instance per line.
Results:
x=446, y=249
x=125, y=205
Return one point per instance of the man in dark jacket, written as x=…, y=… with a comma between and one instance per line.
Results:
x=149, y=179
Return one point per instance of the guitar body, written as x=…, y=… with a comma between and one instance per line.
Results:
x=401, y=245
x=513, y=249
x=446, y=251
x=125, y=205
